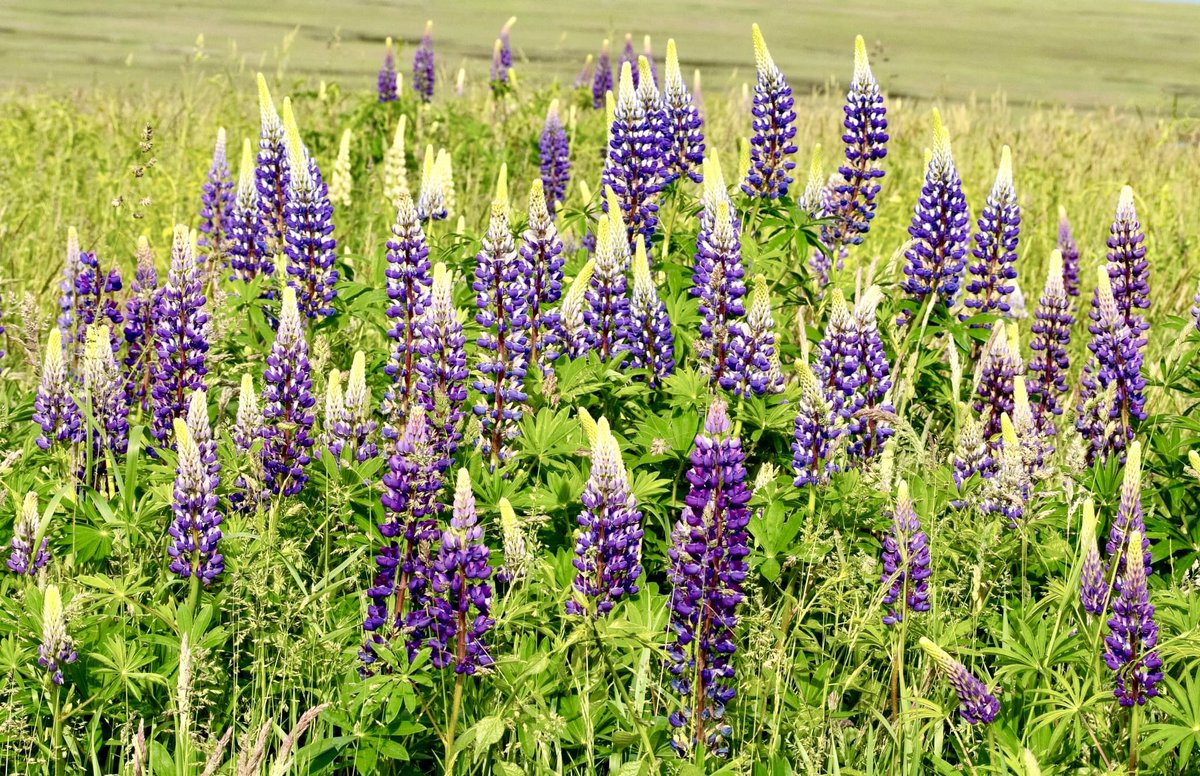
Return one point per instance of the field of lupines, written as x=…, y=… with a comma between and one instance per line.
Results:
x=474, y=425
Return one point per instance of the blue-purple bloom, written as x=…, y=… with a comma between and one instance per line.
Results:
x=753, y=355
x=248, y=253
x=607, y=311
x=356, y=426
x=1093, y=589
x=683, y=130
x=905, y=561
x=196, y=530
x=287, y=404
x=385, y=83
x=408, y=282
x=718, y=279
x=648, y=336
x=999, y=364
x=814, y=432
x=1112, y=390
x=105, y=413
x=774, y=124
x=140, y=328
x=977, y=706
x=442, y=367
x=423, y=70
x=554, y=154
x=57, y=649
x=22, y=558
x=541, y=253
x=1129, y=518
x=993, y=273
x=1128, y=268
x=94, y=301
x=1051, y=362
x=271, y=172
x=54, y=408
x=629, y=57
x=180, y=337
x=216, y=202
x=66, y=302
x=1129, y=648
x=633, y=165
x=1070, y=254
x=838, y=354
x=308, y=218
x=602, y=83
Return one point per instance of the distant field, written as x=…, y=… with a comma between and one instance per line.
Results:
x=1084, y=54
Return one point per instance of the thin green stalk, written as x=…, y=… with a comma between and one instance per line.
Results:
x=452, y=723
x=637, y=717
x=1133, y=739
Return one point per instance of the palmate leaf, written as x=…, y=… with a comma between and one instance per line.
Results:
x=548, y=439
x=1181, y=704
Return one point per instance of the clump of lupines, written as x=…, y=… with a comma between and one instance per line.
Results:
x=1129, y=648
x=249, y=256
x=1051, y=363
x=442, y=366
x=774, y=127
x=648, y=336
x=838, y=354
x=272, y=171
x=308, y=217
x=386, y=84
x=555, y=159
x=423, y=70
x=1129, y=518
x=1128, y=268
x=939, y=228
x=905, y=561
x=541, y=254
x=359, y=433
x=1111, y=393
x=106, y=424
x=683, y=129
x=462, y=594
x=140, y=329
x=341, y=183
x=814, y=432
x=717, y=277
x=216, y=202
x=1093, y=590
x=287, y=403
x=54, y=408
x=22, y=558
x=607, y=311
x=1070, y=254
x=395, y=165
x=999, y=364
x=602, y=82
x=976, y=705
x=196, y=529
x=502, y=299
x=57, y=649
x=996, y=245
x=710, y=544
x=608, y=545
x=633, y=166
x=180, y=337
x=753, y=354
x=577, y=338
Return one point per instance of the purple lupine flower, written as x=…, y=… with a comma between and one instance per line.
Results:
x=869, y=427
x=498, y=76
x=976, y=705
x=683, y=128
x=656, y=119
x=506, y=57
x=271, y=172
x=629, y=56
x=555, y=157
x=602, y=83
x=995, y=245
x=607, y=311
x=1009, y=489
x=180, y=337
x=442, y=367
x=905, y=561
x=717, y=278
x=1070, y=254
x=814, y=432
x=57, y=649
x=248, y=253
x=1112, y=390
x=852, y=197
x=648, y=336
x=1196, y=307
x=462, y=595
x=576, y=338
x=999, y=364
x=633, y=165
x=837, y=363
x=308, y=218
x=356, y=408
x=385, y=83
x=66, y=302
x=1093, y=590
x=939, y=227
x=815, y=201
x=1129, y=648
x=287, y=403
x=408, y=283
x=774, y=127
x=1051, y=363
x=216, y=202
x=585, y=74
x=608, y=545
x=248, y=491
x=1129, y=518
x=22, y=558
x=708, y=565
x=94, y=301
x=971, y=454
x=1128, y=268
x=541, y=252
x=140, y=328
x=54, y=408
x=752, y=353
x=423, y=71
x=105, y=413
x=196, y=529
x=502, y=298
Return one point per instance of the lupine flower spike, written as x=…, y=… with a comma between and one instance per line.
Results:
x=541, y=255
x=247, y=429
x=287, y=403
x=54, y=407
x=870, y=424
x=181, y=337
x=66, y=302
x=1133, y=635
x=633, y=166
x=977, y=706
x=1093, y=590
x=577, y=338
x=629, y=57
x=838, y=353
x=395, y=170
x=423, y=70
x=333, y=428
x=1008, y=491
x=431, y=202
x=341, y=184
x=717, y=278
x=1129, y=518
x=753, y=354
x=216, y=202
x=1112, y=390
x=94, y=302
x=106, y=424
x=272, y=171
x=905, y=561
x=442, y=367
x=1128, y=268
x=356, y=412
x=774, y=125
x=555, y=158
x=57, y=649
x=29, y=532
x=993, y=273
x=814, y=432
x=648, y=336
x=1196, y=307
x=602, y=83
x=249, y=255
x=683, y=128
x=999, y=364
x=971, y=453
x=385, y=84
x=1051, y=362
x=607, y=310
x=195, y=531
x=584, y=78
x=308, y=244
x=1070, y=254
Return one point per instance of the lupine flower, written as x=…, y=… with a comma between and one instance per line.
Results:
x=356, y=409
x=140, y=326
x=976, y=705
x=629, y=57
x=94, y=301
x=1093, y=590
x=1129, y=648
x=502, y=299
x=1128, y=269
x=272, y=172
x=106, y=424
x=1033, y=446
x=462, y=600
x=249, y=255
x=1008, y=491
x=717, y=278
x=341, y=184
x=196, y=529
x=774, y=126
x=1111, y=394
x=602, y=84
x=216, y=201
x=1051, y=362
x=442, y=367
x=27, y=530
x=838, y=354
x=423, y=71
x=996, y=245
x=395, y=166
x=607, y=310
x=1000, y=362
x=656, y=117
x=385, y=84
x=971, y=454
x=869, y=426
x=288, y=403
x=682, y=126
x=633, y=166
x=939, y=227
x=1129, y=518
x=1070, y=254
x=585, y=73
x=814, y=432
x=506, y=58
x=247, y=429
x=66, y=302
x=710, y=544
x=648, y=336
x=499, y=73
x=308, y=241
x=54, y=408
x=555, y=157
x=815, y=202
x=608, y=545
x=541, y=253
x=852, y=197
x=57, y=649
x=577, y=338
x=431, y=202
x=752, y=352
x=1196, y=307
x=517, y=554
x=180, y=337
x=333, y=427
x=905, y=561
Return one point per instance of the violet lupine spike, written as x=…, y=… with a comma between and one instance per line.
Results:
x=423, y=69
x=815, y=433
x=506, y=56
x=356, y=409
x=216, y=202
x=180, y=337
x=999, y=364
x=95, y=302
x=584, y=78
x=308, y=216
x=502, y=301
x=939, y=227
x=499, y=74
x=1093, y=589
x=708, y=566
x=271, y=173
x=248, y=427
x=993, y=271
x=22, y=558
x=462, y=593
x=408, y=283
x=648, y=336
x=66, y=302
x=977, y=706
x=385, y=83
x=629, y=57
x=141, y=357
x=196, y=530
x=607, y=311
x=852, y=197
x=656, y=119
x=248, y=253
x=554, y=154
x=1050, y=364
x=602, y=82
x=541, y=252
x=752, y=350
x=1133, y=635
x=1128, y=268
x=682, y=125
x=633, y=165
x=838, y=355
x=905, y=561
x=608, y=544
x=287, y=404
x=771, y=146
x=971, y=454
x=57, y=648
x=105, y=413
x=1129, y=518
x=718, y=280
x=869, y=427
x=54, y=407
x=442, y=367
x=1070, y=254
x=576, y=338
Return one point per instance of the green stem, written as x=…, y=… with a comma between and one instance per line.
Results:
x=57, y=752
x=637, y=717
x=1133, y=739
x=452, y=723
